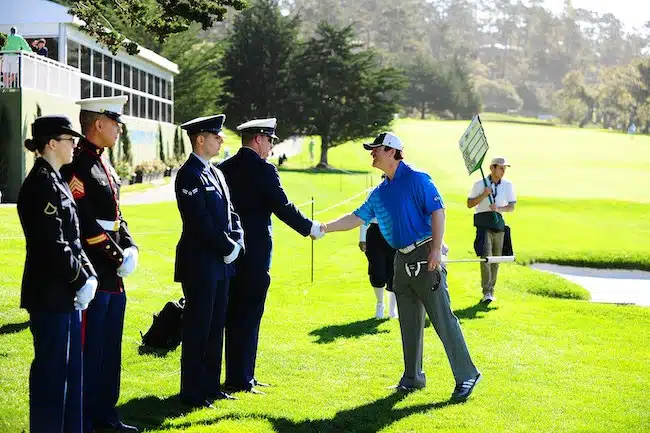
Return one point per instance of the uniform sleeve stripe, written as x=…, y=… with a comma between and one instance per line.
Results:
x=97, y=239
x=77, y=187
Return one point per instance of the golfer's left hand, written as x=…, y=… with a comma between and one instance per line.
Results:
x=435, y=258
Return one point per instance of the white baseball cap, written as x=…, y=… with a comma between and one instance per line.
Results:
x=385, y=139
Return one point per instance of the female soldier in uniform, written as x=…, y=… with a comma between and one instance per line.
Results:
x=58, y=280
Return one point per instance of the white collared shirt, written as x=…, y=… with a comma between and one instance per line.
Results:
x=504, y=191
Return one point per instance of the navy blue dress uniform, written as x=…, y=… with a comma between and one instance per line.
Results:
x=55, y=268
x=107, y=241
x=210, y=241
x=256, y=194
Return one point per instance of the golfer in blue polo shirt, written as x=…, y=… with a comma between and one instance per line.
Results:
x=411, y=216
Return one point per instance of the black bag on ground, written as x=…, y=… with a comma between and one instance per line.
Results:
x=166, y=330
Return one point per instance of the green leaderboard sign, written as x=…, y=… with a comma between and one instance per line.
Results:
x=473, y=145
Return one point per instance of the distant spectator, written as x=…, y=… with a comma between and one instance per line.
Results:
x=632, y=129
x=10, y=66
x=15, y=42
x=40, y=48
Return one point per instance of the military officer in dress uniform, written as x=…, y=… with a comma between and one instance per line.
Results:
x=58, y=280
x=111, y=249
x=211, y=240
x=256, y=194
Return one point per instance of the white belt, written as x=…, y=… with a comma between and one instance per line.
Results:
x=407, y=249
x=111, y=226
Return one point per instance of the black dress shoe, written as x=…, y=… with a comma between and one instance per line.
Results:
x=118, y=426
x=222, y=396
x=205, y=404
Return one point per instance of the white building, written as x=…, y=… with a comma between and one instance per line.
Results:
x=76, y=67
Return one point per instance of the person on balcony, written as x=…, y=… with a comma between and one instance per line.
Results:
x=10, y=67
x=40, y=48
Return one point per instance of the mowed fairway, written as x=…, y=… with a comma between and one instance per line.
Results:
x=550, y=364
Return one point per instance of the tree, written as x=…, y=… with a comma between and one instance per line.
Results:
x=198, y=83
x=158, y=18
x=179, y=148
x=257, y=66
x=344, y=94
x=498, y=95
x=127, y=156
x=160, y=146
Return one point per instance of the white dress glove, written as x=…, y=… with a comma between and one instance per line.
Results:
x=315, y=232
x=129, y=263
x=234, y=254
x=86, y=294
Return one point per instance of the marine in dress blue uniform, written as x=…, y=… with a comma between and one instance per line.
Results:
x=211, y=240
x=256, y=194
x=57, y=276
x=112, y=251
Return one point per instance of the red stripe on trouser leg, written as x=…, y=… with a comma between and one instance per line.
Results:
x=83, y=328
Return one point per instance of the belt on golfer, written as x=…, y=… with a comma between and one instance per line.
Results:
x=111, y=226
x=407, y=249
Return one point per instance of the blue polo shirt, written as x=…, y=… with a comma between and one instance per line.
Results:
x=403, y=206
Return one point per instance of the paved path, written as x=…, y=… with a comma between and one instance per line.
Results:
x=606, y=285
x=156, y=194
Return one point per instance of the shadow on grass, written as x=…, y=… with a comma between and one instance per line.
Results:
x=473, y=311
x=328, y=334
x=13, y=328
x=332, y=170
x=368, y=418
x=150, y=412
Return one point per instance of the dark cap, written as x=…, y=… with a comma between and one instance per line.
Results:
x=51, y=126
x=213, y=124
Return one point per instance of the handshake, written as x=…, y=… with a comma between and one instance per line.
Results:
x=317, y=230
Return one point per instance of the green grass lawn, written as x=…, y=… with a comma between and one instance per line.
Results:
x=549, y=365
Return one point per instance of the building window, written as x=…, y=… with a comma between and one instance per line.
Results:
x=73, y=54
x=135, y=106
x=170, y=91
x=143, y=107
x=97, y=64
x=118, y=72
x=169, y=113
x=163, y=88
x=97, y=90
x=143, y=81
x=85, y=60
x=126, y=81
x=151, y=83
x=150, y=112
x=157, y=86
x=127, y=107
x=108, y=68
x=85, y=89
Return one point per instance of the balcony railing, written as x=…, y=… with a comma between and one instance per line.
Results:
x=22, y=69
